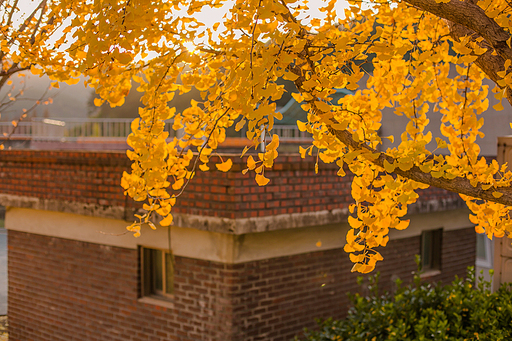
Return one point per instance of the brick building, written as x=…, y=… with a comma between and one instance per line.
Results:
x=245, y=263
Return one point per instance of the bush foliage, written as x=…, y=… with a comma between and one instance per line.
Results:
x=460, y=311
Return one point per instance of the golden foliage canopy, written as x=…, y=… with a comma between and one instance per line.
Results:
x=414, y=56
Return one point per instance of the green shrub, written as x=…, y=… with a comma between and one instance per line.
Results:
x=459, y=311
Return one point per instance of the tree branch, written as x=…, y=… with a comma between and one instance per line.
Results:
x=457, y=185
x=467, y=14
x=42, y=6
x=5, y=75
x=23, y=26
x=489, y=62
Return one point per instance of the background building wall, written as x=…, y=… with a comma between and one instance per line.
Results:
x=89, y=183
x=61, y=289
x=248, y=265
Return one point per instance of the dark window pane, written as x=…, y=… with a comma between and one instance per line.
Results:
x=147, y=283
x=427, y=250
x=437, y=237
x=431, y=249
x=157, y=270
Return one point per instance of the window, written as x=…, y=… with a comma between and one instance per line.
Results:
x=157, y=272
x=431, y=250
x=483, y=251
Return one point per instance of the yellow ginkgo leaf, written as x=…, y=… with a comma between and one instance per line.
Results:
x=498, y=106
x=261, y=180
x=302, y=152
x=402, y=225
x=389, y=167
x=178, y=184
x=246, y=149
x=354, y=222
x=356, y=258
x=378, y=256
x=497, y=194
x=240, y=125
x=301, y=126
x=72, y=81
x=251, y=164
x=290, y=76
x=35, y=71
x=167, y=220
x=225, y=166
x=322, y=106
x=441, y=143
x=356, y=267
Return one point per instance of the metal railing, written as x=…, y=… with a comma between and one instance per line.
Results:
x=104, y=129
x=72, y=129
x=290, y=133
x=22, y=131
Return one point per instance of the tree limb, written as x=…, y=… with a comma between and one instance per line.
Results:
x=5, y=75
x=468, y=14
x=489, y=62
x=457, y=185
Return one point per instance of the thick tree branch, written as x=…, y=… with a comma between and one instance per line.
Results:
x=467, y=14
x=489, y=62
x=457, y=185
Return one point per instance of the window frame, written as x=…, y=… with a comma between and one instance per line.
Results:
x=149, y=276
x=434, y=239
x=486, y=262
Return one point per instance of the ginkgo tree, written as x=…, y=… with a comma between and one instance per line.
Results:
x=413, y=56
x=25, y=29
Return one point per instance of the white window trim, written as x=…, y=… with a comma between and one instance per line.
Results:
x=488, y=261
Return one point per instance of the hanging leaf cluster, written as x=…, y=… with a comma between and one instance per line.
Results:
x=413, y=57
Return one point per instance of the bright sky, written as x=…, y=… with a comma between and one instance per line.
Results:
x=210, y=16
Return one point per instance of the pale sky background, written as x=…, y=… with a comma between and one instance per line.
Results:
x=71, y=101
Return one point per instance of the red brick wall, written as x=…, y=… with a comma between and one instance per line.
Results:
x=69, y=290
x=94, y=178
x=88, y=177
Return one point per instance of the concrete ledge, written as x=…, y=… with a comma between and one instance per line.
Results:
x=204, y=223
x=185, y=242
x=91, y=210
x=451, y=209
x=261, y=224
x=156, y=302
x=210, y=245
